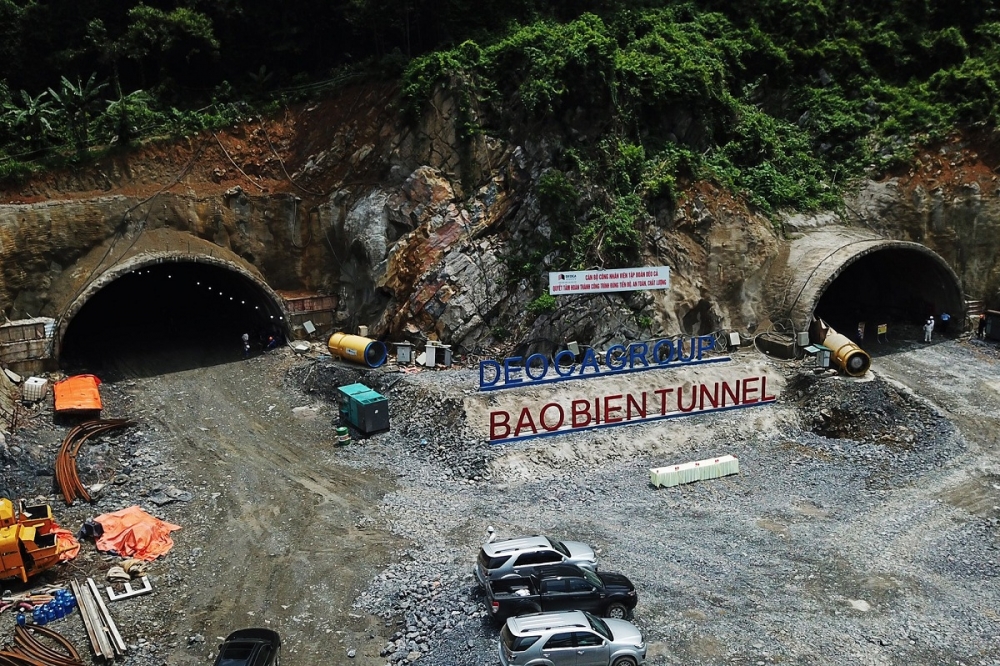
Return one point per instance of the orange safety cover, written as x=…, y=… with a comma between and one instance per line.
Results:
x=132, y=532
x=77, y=394
x=69, y=547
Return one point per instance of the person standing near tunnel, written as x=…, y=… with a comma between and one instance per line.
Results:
x=246, y=345
x=928, y=329
x=945, y=319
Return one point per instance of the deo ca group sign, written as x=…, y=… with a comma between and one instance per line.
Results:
x=635, y=357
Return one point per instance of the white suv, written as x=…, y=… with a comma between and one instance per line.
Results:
x=516, y=557
x=569, y=638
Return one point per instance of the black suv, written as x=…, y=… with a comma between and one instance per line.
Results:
x=562, y=587
x=250, y=647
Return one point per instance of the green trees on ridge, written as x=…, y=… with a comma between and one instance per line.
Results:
x=782, y=101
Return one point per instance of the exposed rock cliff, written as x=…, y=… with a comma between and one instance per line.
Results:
x=411, y=227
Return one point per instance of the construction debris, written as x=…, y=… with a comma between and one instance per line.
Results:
x=24, y=602
x=134, y=567
x=118, y=575
x=129, y=591
x=29, y=651
x=102, y=631
x=66, y=472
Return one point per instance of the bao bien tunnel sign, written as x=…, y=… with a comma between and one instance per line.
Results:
x=679, y=382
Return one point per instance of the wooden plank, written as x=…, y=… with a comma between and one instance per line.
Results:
x=88, y=622
x=107, y=649
x=108, y=621
x=94, y=631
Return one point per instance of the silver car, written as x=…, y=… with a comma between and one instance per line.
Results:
x=570, y=638
x=516, y=557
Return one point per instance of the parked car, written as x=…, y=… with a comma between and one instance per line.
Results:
x=513, y=557
x=250, y=647
x=561, y=587
x=570, y=638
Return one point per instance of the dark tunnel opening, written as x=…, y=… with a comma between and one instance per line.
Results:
x=897, y=287
x=170, y=316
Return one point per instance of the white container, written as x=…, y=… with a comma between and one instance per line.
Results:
x=712, y=468
x=34, y=388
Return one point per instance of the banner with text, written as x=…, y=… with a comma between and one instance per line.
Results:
x=617, y=400
x=618, y=279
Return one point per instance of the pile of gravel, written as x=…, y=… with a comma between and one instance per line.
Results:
x=856, y=441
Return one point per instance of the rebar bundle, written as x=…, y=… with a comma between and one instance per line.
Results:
x=66, y=471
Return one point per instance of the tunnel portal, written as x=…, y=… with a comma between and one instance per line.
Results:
x=893, y=286
x=846, y=276
x=171, y=314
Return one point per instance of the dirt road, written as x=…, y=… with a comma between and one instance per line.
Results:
x=277, y=533
x=960, y=379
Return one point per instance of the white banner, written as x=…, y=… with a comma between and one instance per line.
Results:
x=617, y=279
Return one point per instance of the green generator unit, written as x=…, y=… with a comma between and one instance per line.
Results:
x=364, y=409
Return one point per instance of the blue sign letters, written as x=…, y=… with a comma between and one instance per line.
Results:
x=618, y=359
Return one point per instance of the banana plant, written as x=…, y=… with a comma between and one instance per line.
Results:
x=74, y=104
x=31, y=119
x=124, y=118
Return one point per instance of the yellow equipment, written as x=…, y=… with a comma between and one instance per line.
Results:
x=28, y=544
x=357, y=349
x=850, y=358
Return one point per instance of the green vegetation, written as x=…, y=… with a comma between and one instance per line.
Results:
x=782, y=101
x=542, y=304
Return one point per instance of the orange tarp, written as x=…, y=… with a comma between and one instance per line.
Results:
x=69, y=547
x=77, y=394
x=132, y=532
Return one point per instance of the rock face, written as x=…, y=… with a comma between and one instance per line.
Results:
x=960, y=221
x=419, y=247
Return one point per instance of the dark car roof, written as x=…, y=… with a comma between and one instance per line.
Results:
x=558, y=571
x=608, y=578
x=245, y=645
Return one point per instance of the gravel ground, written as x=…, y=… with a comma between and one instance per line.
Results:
x=862, y=528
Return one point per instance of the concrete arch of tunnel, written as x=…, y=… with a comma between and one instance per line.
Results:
x=847, y=276
x=159, y=253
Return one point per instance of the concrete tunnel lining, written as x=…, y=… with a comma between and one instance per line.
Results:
x=160, y=247
x=818, y=259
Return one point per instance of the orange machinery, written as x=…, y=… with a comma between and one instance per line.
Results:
x=28, y=542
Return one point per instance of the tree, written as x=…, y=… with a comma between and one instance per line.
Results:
x=170, y=41
x=166, y=37
x=123, y=116
x=32, y=119
x=74, y=104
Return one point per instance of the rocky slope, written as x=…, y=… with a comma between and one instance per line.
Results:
x=410, y=226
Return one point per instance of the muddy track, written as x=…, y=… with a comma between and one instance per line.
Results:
x=278, y=533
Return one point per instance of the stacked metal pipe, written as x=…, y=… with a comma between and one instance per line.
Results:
x=29, y=651
x=66, y=472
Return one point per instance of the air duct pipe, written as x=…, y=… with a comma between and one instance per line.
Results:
x=357, y=349
x=845, y=354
